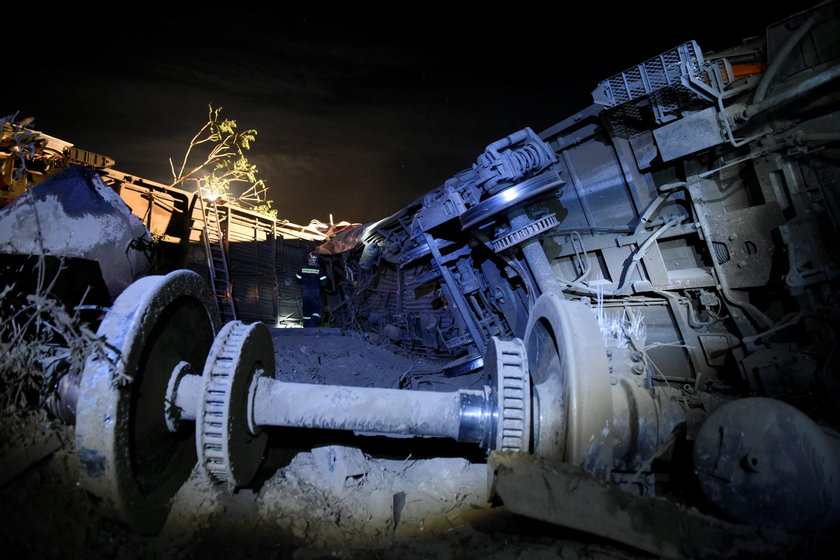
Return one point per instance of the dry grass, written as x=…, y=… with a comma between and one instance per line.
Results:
x=40, y=341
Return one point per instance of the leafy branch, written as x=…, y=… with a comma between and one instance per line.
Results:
x=223, y=165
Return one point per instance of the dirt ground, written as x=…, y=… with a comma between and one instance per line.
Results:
x=349, y=358
x=317, y=495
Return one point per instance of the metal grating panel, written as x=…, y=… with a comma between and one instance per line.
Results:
x=657, y=71
x=663, y=71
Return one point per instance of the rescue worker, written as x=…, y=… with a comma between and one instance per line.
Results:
x=311, y=279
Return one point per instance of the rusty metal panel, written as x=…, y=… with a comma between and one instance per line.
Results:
x=251, y=252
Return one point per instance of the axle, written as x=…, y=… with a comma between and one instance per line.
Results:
x=235, y=395
x=462, y=415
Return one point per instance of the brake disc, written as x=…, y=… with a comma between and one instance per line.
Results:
x=230, y=445
x=506, y=364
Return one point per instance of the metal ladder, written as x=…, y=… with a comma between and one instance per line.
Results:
x=217, y=262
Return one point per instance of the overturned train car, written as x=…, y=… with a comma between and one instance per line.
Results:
x=668, y=256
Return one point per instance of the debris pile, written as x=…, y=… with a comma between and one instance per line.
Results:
x=337, y=496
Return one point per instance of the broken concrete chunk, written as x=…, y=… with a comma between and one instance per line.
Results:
x=336, y=464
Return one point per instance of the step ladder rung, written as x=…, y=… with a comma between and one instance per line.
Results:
x=214, y=245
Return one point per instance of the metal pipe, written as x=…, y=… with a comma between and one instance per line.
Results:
x=793, y=93
x=781, y=57
x=462, y=415
x=536, y=259
x=540, y=267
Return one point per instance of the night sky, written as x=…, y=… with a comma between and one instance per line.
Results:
x=357, y=116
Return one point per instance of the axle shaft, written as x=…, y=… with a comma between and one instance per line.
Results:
x=461, y=415
x=234, y=398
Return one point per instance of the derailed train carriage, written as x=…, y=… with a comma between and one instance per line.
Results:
x=669, y=258
x=650, y=287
